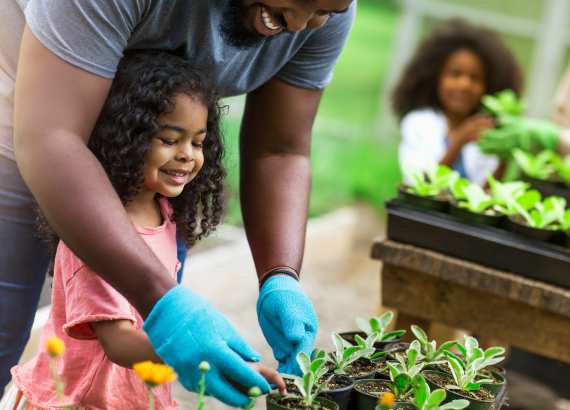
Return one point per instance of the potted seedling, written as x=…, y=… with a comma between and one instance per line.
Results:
x=425, y=399
x=542, y=222
x=345, y=359
x=433, y=356
x=513, y=197
x=429, y=189
x=473, y=204
x=377, y=326
x=335, y=387
x=537, y=168
x=309, y=386
x=487, y=361
x=402, y=373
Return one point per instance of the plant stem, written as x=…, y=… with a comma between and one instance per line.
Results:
x=150, y=399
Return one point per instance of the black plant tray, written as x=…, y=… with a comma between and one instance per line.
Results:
x=486, y=245
x=548, y=188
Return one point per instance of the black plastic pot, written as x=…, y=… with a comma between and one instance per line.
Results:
x=476, y=218
x=456, y=395
x=498, y=387
x=366, y=401
x=273, y=403
x=379, y=346
x=548, y=187
x=426, y=202
x=398, y=346
x=340, y=396
x=513, y=224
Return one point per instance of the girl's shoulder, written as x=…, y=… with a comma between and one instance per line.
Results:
x=424, y=116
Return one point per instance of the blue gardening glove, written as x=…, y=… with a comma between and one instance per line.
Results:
x=184, y=330
x=288, y=321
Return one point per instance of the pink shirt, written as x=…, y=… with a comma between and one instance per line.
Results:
x=80, y=297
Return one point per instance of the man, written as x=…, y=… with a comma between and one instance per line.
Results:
x=280, y=52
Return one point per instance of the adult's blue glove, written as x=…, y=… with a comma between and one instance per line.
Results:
x=288, y=321
x=184, y=330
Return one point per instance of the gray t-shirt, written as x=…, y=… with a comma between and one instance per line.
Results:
x=92, y=34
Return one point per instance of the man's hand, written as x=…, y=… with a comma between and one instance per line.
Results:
x=288, y=321
x=527, y=134
x=185, y=330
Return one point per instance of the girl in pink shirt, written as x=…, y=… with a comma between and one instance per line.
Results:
x=158, y=139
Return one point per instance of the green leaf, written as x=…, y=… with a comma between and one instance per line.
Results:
x=436, y=398
x=421, y=390
x=393, y=335
x=304, y=362
x=375, y=325
x=494, y=351
x=316, y=365
x=461, y=349
x=456, y=369
x=394, y=371
x=455, y=405
x=472, y=386
x=359, y=340
x=385, y=319
x=419, y=333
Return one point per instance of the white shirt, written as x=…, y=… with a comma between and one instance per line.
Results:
x=424, y=143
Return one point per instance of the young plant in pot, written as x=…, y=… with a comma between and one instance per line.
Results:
x=402, y=373
x=375, y=326
x=486, y=360
x=425, y=399
x=537, y=168
x=428, y=189
x=542, y=222
x=472, y=204
x=309, y=386
x=350, y=359
x=512, y=197
x=432, y=356
x=465, y=381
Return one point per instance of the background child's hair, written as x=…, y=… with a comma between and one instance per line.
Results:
x=145, y=87
x=417, y=87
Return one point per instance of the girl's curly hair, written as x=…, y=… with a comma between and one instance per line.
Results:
x=145, y=87
x=417, y=87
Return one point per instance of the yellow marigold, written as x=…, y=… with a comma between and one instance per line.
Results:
x=55, y=346
x=387, y=399
x=154, y=374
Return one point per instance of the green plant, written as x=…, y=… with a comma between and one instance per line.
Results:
x=425, y=399
x=367, y=346
x=562, y=166
x=539, y=166
x=513, y=197
x=476, y=200
x=457, y=188
x=313, y=380
x=406, y=367
x=466, y=370
x=433, y=181
x=429, y=351
x=377, y=325
x=547, y=214
x=344, y=354
x=503, y=103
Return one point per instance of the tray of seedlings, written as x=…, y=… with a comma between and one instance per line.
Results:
x=509, y=226
x=418, y=375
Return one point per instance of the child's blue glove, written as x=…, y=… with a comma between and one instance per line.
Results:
x=288, y=321
x=184, y=330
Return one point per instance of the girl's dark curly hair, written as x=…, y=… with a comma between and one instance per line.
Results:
x=145, y=87
x=417, y=87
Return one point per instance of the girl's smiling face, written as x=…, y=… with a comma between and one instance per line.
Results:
x=175, y=156
x=462, y=83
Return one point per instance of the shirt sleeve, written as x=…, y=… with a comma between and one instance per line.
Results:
x=312, y=66
x=88, y=298
x=90, y=34
x=422, y=143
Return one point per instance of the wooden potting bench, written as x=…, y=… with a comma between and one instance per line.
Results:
x=426, y=286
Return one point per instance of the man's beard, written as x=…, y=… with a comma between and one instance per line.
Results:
x=233, y=30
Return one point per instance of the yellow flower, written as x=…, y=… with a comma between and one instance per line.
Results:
x=55, y=346
x=387, y=399
x=154, y=374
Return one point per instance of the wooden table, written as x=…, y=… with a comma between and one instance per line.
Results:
x=426, y=286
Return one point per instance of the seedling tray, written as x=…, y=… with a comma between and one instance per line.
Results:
x=486, y=245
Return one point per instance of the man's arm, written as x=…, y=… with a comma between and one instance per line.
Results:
x=275, y=147
x=56, y=106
